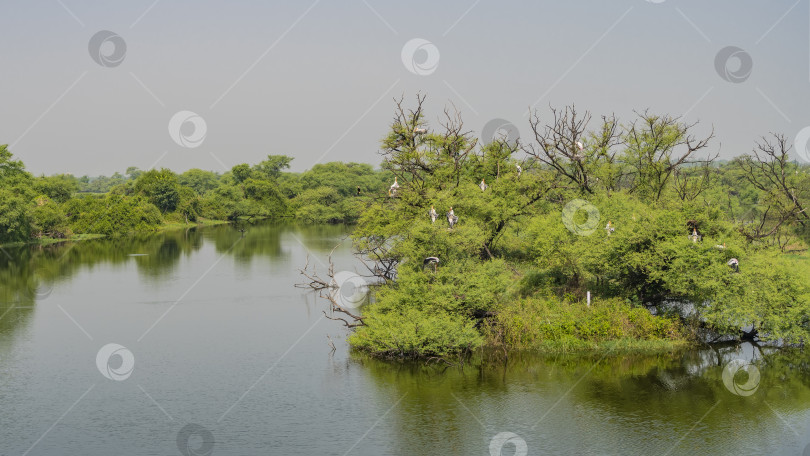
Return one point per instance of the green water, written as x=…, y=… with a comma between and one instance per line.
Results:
x=216, y=336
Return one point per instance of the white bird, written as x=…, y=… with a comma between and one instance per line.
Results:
x=609, y=228
x=483, y=185
x=452, y=219
x=695, y=236
x=580, y=145
x=419, y=131
x=721, y=247
x=392, y=191
x=520, y=170
x=433, y=214
x=431, y=261
x=734, y=263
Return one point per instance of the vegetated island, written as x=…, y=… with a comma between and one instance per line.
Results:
x=583, y=235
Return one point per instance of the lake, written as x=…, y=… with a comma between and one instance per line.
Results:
x=197, y=342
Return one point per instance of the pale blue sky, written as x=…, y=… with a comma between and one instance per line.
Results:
x=315, y=80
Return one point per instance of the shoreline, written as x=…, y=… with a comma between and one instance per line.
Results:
x=166, y=226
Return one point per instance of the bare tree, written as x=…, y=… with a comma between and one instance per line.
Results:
x=689, y=183
x=326, y=288
x=566, y=147
x=769, y=170
x=414, y=153
x=657, y=146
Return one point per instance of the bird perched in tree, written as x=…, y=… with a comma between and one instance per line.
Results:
x=452, y=219
x=519, y=169
x=721, y=247
x=579, y=156
x=609, y=228
x=431, y=261
x=483, y=185
x=419, y=131
x=358, y=191
x=735, y=264
x=392, y=191
x=695, y=236
x=433, y=214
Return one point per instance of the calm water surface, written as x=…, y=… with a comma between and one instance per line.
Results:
x=218, y=353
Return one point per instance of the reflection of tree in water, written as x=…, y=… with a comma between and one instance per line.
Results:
x=28, y=273
x=266, y=239
x=665, y=391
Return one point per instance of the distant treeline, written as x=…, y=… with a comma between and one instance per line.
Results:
x=62, y=205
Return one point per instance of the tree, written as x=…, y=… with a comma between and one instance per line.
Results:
x=272, y=166
x=15, y=217
x=161, y=187
x=198, y=180
x=782, y=187
x=566, y=147
x=58, y=188
x=656, y=147
x=241, y=172
x=133, y=172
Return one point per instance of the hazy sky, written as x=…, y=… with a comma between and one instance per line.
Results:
x=316, y=79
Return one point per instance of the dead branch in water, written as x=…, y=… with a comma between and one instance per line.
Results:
x=328, y=289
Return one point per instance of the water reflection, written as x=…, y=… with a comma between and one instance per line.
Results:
x=29, y=273
x=238, y=324
x=591, y=402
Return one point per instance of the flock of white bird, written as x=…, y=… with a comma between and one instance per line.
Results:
x=452, y=218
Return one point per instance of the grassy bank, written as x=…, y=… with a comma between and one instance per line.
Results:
x=554, y=325
x=167, y=225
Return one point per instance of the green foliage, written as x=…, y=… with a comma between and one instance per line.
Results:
x=241, y=172
x=190, y=205
x=548, y=322
x=112, y=215
x=160, y=187
x=48, y=219
x=58, y=188
x=198, y=180
x=15, y=217
x=415, y=333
